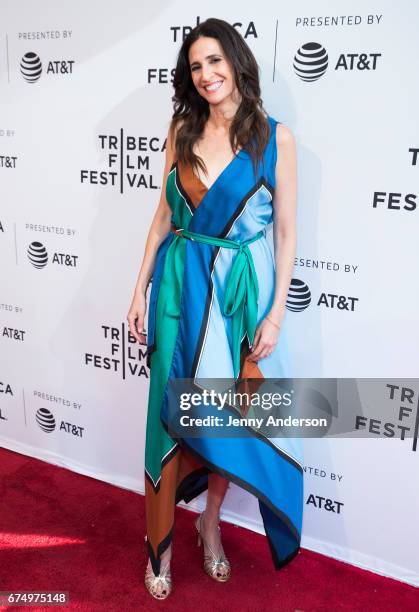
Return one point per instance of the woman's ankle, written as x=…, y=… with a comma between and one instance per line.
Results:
x=167, y=555
x=165, y=559
x=210, y=518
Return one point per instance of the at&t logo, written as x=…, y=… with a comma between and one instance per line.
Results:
x=324, y=503
x=38, y=256
x=31, y=67
x=47, y=423
x=45, y=420
x=8, y=161
x=299, y=298
x=311, y=61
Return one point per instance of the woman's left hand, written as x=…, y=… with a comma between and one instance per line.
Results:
x=265, y=340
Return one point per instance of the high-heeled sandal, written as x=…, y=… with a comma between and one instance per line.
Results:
x=213, y=563
x=153, y=582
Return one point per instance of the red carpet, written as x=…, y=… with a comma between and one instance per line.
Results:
x=63, y=531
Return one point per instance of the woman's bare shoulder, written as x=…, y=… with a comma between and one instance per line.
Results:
x=284, y=135
x=176, y=125
x=173, y=130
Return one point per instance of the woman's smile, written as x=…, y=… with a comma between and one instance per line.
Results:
x=214, y=86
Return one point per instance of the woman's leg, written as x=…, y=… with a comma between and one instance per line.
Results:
x=217, y=488
x=164, y=568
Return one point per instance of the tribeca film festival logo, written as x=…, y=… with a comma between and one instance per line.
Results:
x=31, y=67
x=247, y=29
x=6, y=389
x=127, y=160
x=47, y=423
x=162, y=75
x=406, y=422
x=393, y=200
x=38, y=257
x=125, y=356
x=312, y=60
x=299, y=298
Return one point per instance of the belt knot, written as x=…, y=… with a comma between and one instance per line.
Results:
x=241, y=289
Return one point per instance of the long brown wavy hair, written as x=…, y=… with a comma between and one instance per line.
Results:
x=249, y=129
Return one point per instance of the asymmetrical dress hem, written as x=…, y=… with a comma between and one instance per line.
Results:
x=213, y=282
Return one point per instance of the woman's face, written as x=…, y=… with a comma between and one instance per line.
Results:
x=211, y=72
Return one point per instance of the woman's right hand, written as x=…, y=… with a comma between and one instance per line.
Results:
x=136, y=316
x=158, y=231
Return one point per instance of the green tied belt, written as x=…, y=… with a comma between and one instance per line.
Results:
x=241, y=290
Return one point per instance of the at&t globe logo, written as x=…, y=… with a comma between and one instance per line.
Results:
x=31, y=67
x=299, y=296
x=37, y=255
x=45, y=420
x=311, y=61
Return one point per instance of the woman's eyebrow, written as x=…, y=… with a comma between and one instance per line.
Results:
x=207, y=57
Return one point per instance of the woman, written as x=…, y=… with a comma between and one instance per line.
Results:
x=218, y=297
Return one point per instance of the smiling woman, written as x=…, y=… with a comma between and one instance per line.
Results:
x=218, y=296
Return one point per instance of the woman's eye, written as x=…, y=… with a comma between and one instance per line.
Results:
x=215, y=59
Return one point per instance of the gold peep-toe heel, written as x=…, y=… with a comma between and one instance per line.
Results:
x=213, y=563
x=153, y=582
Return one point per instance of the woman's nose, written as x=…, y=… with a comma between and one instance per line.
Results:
x=206, y=72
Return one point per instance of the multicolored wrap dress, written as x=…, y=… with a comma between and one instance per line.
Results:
x=213, y=283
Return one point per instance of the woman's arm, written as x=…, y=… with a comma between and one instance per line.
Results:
x=159, y=228
x=285, y=240
x=285, y=222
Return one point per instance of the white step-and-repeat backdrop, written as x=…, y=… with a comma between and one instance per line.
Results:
x=85, y=106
